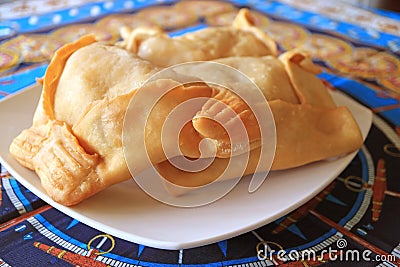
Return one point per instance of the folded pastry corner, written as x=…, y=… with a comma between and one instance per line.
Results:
x=222, y=118
x=132, y=38
x=67, y=173
x=245, y=20
x=302, y=72
x=53, y=73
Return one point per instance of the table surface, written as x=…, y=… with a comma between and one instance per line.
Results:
x=358, y=211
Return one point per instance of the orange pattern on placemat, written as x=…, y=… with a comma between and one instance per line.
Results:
x=33, y=48
x=72, y=33
x=379, y=189
x=5, y=175
x=385, y=108
x=324, y=47
x=73, y=258
x=225, y=19
x=167, y=17
x=391, y=81
x=287, y=35
x=366, y=63
x=6, y=225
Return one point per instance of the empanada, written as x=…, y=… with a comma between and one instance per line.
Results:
x=75, y=144
x=241, y=39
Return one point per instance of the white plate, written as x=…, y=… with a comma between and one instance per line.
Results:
x=128, y=213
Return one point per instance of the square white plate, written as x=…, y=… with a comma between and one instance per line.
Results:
x=125, y=211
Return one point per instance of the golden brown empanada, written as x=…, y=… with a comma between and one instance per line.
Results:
x=75, y=144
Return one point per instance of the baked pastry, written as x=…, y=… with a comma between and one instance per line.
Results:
x=240, y=39
x=77, y=150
